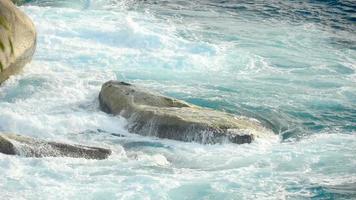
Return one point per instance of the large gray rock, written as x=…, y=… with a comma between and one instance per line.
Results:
x=29, y=147
x=152, y=114
x=17, y=39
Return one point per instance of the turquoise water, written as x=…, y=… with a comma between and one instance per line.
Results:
x=291, y=65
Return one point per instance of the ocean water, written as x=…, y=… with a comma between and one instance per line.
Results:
x=289, y=64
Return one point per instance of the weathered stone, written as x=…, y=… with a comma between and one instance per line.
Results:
x=17, y=39
x=12, y=144
x=150, y=113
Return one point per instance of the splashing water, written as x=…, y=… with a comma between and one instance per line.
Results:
x=290, y=65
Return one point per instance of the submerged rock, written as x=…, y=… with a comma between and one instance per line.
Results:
x=17, y=39
x=153, y=114
x=12, y=144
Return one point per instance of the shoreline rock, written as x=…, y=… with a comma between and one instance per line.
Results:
x=153, y=114
x=17, y=39
x=12, y=144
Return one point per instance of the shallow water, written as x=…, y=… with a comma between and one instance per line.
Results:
x=290, y=65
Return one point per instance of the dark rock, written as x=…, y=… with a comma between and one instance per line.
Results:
x=12, y=144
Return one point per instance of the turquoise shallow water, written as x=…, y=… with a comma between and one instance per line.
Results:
x=290, y=65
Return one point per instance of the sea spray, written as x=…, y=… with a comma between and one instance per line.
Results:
x=294, y=70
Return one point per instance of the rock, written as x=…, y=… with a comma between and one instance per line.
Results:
x=152, y=114
x=12, y=144
x=17, y=39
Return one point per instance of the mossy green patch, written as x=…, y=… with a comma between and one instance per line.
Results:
x=2, y=46
x=11, y=46
x=4, y=24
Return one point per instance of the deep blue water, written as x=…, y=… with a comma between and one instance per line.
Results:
x=289, y=64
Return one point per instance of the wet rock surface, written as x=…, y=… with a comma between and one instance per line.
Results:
x=12, y=144
x=153, y=114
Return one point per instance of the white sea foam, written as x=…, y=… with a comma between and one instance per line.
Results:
x=239, y=69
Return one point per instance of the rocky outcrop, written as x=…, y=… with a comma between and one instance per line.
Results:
x=17, y=39
x=12, y=144
x=150, y=113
